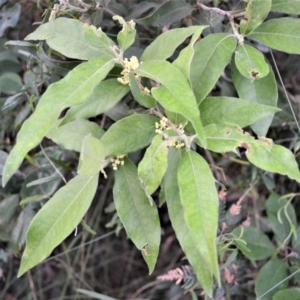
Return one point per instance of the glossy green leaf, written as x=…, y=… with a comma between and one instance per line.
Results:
x=103, y=97
x=57, y=219
x=71, y=90
x=286, y=6
x=74, y=39
x=71, y=135
x=281, y=219
x=280, y=34
x=263, y=91
x=256, y=13
x=217, y=110
x=292, y=293
x=129, y=134
x=184, y=60
x=272, y=273
x=157, y=50
x=250, y=62
x=152, y=167
x=140, y=220
x=264, y=154
x=175, y=93
x=257, y=242
x=167, y=13
x=92, y=156
x=212, y=55
x=126, y=36
x=182, y=231
x=199, y=200
x=140, y=96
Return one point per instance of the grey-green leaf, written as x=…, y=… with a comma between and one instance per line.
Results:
x=200, y=203
x=292, y=293
x=57, y=219
x=272, y=273
x=250, y=62
x=126, y=36
x=218, y=110
x=103, y=97
x=211, y=56
x=140, y=220
x=152, y=167
x=286, y=6
x=71, y=90
x=263, y=91
x=74, y=39
x=280, y=34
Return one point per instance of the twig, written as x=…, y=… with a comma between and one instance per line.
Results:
x=103, y=8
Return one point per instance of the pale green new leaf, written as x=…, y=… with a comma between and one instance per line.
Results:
x=218, y=110
x=200, y=202
x=184, y=60
x=152, y=167
x=139, y=218
x=129, y=134
x=71, y=135
x=103, y=97
x=166, y=43
x=250, y=62
x=126, y=36
x=175, y=93
x=280, y=34
x=74, y=39
x=271, y=279
x=268, y=156
x=71, y=90
x=212, y=55
x=263, y=91
x=286, y=6
x=176, y=213
x=256, y=13
x=57, y=219
x=92, y=156
x=140, y=96
x=167, y=13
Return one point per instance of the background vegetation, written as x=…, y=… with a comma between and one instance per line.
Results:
x=108, y=263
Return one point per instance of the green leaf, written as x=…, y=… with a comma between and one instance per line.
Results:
x=272, y=158
x=92, y=156
x=263, y=91
x=184, y=60
x=9, y=17
x=74, y=39
x=140, y=220
x=280, y=34
x=250, y=62
x=57, y=219
x=103, y=97
x=10, y=83
x=257, y=242
x=199, y=200
x=286, y=6
x=296, y=241
x=8, y=207
x=218, y=110
x=256, y=13
x=152, y=167
x=126, y=36
x=140, y=96
x=129, y=134
x=292, y=293
x=167, y=13
x=212, y=54
x=71, y=90
x=175, y=93
x=281, y=219
x=71, y=135
x=272, y=273
x=157, y=50
x=176, y=214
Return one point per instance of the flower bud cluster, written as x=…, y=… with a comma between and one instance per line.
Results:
x=116, y=161
x=162, y=125
x=129, y=66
